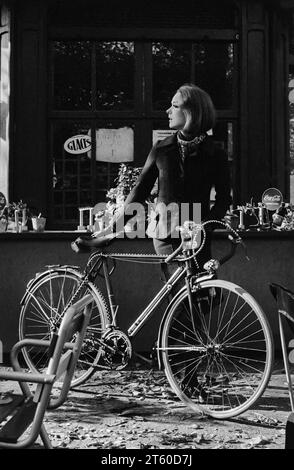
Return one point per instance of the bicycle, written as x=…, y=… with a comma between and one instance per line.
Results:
x=214, y=340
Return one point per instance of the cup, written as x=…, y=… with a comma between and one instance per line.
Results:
x=38, y=224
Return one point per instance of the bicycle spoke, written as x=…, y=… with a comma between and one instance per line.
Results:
x=259, y=331
x=44, y=310
x=224, y=365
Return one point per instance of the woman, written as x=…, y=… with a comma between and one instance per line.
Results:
x=187, y=166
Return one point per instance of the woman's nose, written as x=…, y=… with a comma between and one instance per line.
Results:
x=168, y=110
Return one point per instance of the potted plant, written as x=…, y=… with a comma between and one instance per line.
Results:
x=16, y=215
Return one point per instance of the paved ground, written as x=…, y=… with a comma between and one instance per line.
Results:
x=134, y=409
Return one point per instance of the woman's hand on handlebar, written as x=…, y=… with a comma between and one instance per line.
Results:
x=189, y=229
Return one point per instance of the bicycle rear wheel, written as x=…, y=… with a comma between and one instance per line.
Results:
x=43, y=309
x=217, y=357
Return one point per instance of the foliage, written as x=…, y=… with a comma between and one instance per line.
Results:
x=10, y=208
x=72, y=65
x=126, y=180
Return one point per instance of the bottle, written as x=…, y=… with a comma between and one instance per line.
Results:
x=282, y=211
x=279, y=215
x=289, y=210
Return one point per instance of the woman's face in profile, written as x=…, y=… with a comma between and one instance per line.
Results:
x=176, y=116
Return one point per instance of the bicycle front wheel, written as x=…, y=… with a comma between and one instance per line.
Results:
x=219, y=353
x=43, y=310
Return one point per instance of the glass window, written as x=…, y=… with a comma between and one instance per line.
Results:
x=71, y=62
x=97, y=80
x=82, y=178
x=115, y=75
x=208, y=64
x=171, y=68
x=71, y=173
x=213, y=67
x=223, y=135
x=114, y=145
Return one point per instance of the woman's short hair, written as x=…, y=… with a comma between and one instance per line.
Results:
x=198, y=108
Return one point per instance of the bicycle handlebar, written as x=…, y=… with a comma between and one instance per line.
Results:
x=224, y=259
x=84, y=244
x=233, y=246
x=234, y=242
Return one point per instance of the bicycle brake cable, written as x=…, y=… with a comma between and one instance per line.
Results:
x=238, y=238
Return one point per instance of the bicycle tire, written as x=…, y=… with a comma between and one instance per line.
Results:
x=43, y=309
x=218, y=359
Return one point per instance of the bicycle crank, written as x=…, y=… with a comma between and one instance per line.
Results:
x=116, y=348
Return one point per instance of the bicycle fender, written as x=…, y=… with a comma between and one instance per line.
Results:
x=39, y=276
x=159, y=353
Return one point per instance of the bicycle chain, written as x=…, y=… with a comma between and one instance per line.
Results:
x=76, y=293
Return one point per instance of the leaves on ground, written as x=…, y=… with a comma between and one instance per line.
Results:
x=137, y=410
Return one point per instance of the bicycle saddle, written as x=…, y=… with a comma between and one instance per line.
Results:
x=84, y=244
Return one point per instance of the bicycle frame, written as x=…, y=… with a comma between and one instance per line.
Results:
x=216, y=347
x=180, y=273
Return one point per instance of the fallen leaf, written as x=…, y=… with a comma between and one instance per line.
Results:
x=267, y=420
x=259, y=440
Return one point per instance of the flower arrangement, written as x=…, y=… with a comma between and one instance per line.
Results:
x=11, y=207
x=126, y=180
x=14, y=217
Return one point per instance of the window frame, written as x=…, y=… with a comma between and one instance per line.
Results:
x=142, y=115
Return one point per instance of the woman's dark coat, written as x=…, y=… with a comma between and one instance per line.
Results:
x=189, y=181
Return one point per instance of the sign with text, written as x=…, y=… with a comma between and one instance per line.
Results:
x=115, y=145
x=78, y=144
x=272, y=198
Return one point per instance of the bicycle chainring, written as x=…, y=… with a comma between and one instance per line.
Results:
x=117, y=349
